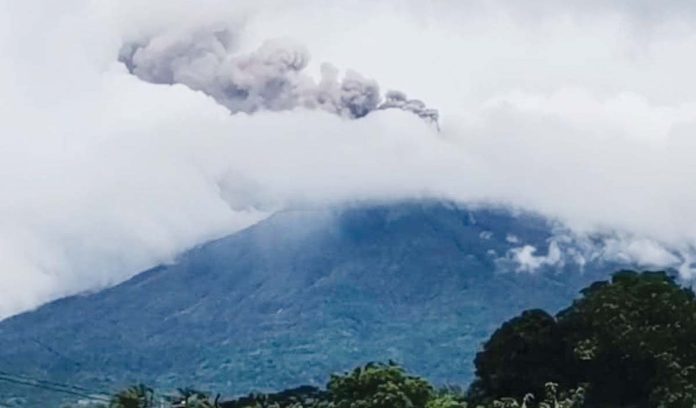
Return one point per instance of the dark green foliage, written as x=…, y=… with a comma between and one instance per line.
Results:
x=520, y=357
x=304, y=396
x=378, y=385
x=637, y=334
x=373, y=385
x=632, y=340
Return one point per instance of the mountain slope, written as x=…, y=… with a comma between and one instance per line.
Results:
x=296, y=297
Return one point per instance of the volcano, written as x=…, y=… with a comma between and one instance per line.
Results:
x=298, y=296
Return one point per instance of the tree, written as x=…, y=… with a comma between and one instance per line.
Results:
x=631, y=340
x=521, y=357
x=377, y=385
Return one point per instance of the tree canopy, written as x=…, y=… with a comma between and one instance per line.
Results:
x=378, y=385
x=631, y=340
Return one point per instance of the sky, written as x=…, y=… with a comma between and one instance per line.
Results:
x=132, y=131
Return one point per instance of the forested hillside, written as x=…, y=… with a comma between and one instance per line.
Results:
x=628, y=342
x=299, y=296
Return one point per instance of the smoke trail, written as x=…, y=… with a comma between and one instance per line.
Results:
x=270, y=78
x=398, y=100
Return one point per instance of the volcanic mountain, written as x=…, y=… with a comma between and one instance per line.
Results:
x=298, y=296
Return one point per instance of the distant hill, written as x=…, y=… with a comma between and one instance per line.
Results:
x=297, y=296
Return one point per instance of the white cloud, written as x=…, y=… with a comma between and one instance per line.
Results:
x=585, y=114
x=528, y=262
x=642, y=251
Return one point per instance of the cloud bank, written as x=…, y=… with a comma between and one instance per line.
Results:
x=130, y=132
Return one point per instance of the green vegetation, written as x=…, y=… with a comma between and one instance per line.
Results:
x=630, y=342
x=377, y=386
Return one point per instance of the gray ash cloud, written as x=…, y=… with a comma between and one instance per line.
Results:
x=272, y=77
x=399, y=100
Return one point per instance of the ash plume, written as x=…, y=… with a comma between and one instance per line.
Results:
x=398, y=100
x=271, y=77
